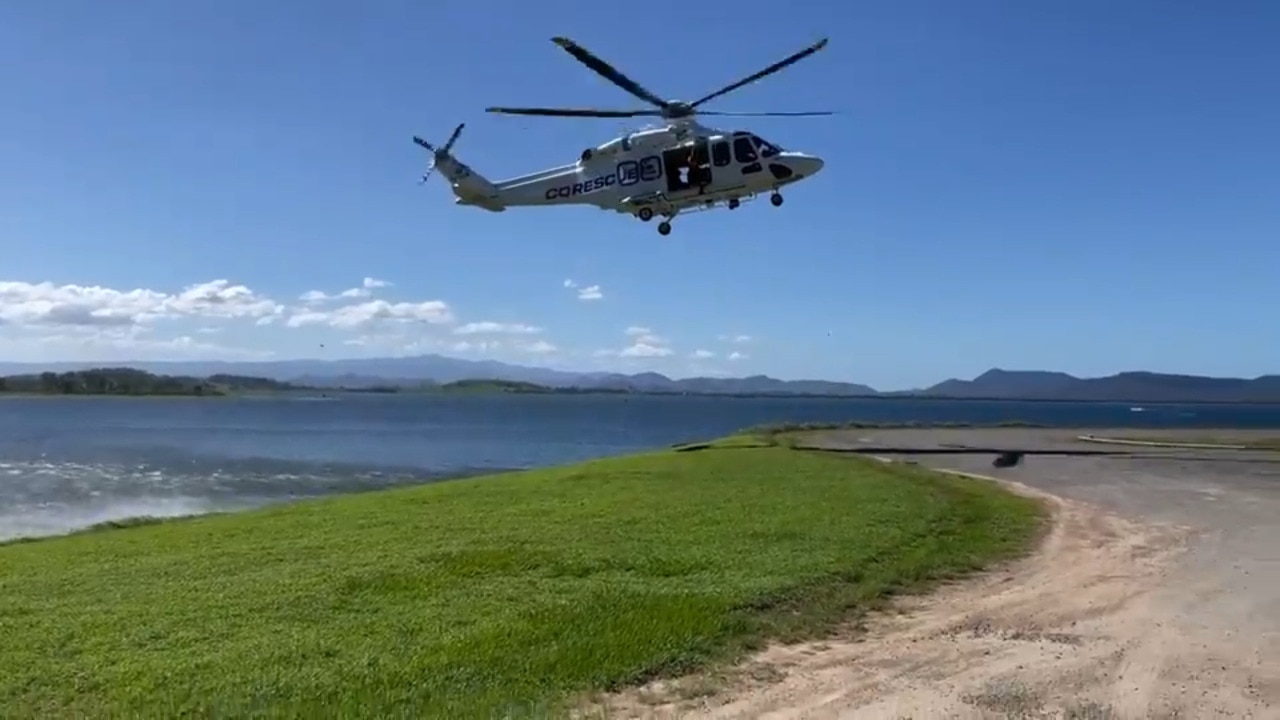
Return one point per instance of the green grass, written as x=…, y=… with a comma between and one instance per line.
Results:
x=506, y=595
x=786, y=434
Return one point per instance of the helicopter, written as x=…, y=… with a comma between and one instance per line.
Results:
x=677, y=167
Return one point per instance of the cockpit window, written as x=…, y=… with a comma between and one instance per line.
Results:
x=766, y=149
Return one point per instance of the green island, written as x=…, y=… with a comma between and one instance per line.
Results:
x=480, y=386
x=494, y=386
x=519, y=594
x=126, y=381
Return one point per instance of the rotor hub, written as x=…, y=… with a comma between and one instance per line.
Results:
x=677, y=109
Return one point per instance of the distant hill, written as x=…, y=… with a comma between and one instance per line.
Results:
x=1006, y=384
x=1122, y=387
x=753, y=385
x=416, y=370
x=425, y=370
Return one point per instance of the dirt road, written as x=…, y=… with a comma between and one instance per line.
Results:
x=1157, y=595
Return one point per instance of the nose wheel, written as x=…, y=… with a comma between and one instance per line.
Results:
x=664, y=228
x=776, y=199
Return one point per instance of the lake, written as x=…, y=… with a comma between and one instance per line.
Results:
x=67, y=463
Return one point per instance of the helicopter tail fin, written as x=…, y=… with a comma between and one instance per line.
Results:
x=470, y=187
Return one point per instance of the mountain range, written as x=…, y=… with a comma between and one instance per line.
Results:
x=993, y=384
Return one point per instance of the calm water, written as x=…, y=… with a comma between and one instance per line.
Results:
x=67, y=463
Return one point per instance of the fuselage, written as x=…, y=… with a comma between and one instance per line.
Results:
x=645, y=167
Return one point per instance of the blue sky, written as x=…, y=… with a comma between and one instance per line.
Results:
x=1088, y=186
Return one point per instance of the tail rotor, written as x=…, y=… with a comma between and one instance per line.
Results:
x=439, y=153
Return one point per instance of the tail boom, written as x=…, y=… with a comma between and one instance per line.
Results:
x=575, y=184
x=565, y=185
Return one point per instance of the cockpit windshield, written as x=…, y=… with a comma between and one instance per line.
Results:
x=766, y=149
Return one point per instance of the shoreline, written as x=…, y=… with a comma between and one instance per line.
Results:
x=1030, y=610
x=682, y=546
x=800, y=436
x=437, y=393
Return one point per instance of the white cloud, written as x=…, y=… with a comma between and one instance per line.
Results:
x=221, y=299
x=644, y=336
x=496, y=328
x=645, y=350
x=469, y=346
x=590, y=292
x=112, y=344
x=366, y=288
x=643, y=344
x=737, y=356
x=372, y=312
x=48, y=305
x=738, y=339
x=538, y=347
x=44, y=321
x=702, y=354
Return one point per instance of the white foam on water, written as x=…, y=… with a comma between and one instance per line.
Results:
x=41, y=498
x=57, y=518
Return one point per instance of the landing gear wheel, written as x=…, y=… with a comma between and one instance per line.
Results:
x=733, y=204
x=776, y=199
x=645, y=214
x=664, y=228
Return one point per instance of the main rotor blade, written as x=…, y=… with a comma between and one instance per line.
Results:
x=767, y=71
x=763, y=114
x=424, y=143
x=567, y=112
x=448, y=144
x=609, y=72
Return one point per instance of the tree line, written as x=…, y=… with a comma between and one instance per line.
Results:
x=130, y=381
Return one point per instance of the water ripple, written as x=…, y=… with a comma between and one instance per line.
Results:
x=66, y=463
x=42, y=497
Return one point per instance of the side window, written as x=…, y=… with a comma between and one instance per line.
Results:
x=628, y=172
x=651, y=168
x=720, y=153
x=743, y=151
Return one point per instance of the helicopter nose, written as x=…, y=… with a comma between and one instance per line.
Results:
x=806, y=165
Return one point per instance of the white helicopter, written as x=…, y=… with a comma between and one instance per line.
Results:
x=681, y=166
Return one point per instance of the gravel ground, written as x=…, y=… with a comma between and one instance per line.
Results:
x=1157, y=595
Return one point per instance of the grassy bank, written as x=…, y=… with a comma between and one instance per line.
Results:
x=508, y=594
